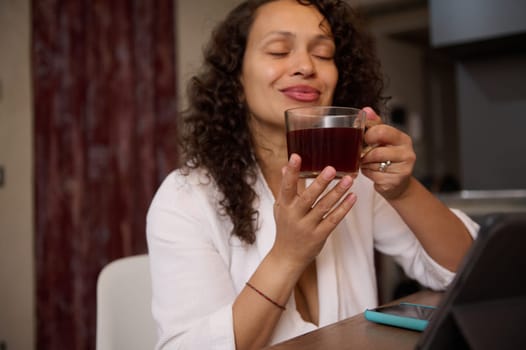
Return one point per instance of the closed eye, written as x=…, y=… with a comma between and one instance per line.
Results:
x=278, y=54
x=324, y=58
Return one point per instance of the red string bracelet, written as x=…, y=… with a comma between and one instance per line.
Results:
x=264, y=296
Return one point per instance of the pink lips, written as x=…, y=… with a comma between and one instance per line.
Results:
x=301, y=93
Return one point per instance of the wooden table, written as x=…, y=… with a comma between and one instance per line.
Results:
x=358, y=333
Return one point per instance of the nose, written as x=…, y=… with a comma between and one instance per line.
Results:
x=303, y=64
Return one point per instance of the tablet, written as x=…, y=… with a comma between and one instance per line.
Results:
x=485, y=305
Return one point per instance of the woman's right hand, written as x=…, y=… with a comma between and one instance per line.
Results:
x=305, y=220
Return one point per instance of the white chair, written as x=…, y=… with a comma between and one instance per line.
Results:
x=124, y=318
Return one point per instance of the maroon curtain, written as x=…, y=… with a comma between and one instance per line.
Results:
x=105, y=120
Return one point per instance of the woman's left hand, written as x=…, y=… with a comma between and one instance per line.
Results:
x=389, y=164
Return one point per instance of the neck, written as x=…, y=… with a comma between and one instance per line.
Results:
x=270, y=148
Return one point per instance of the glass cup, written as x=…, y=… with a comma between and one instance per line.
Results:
x=326, y=135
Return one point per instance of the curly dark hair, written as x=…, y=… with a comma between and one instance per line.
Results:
x=216, y=135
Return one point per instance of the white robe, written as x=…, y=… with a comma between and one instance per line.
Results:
x=198, y=268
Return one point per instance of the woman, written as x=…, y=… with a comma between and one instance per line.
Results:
x=243, y=252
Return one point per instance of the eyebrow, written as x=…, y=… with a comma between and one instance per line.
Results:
x=319, y=37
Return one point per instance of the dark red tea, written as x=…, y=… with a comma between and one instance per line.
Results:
x=318, y=148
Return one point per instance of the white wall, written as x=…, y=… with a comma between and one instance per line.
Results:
x=195, y=20
x=16, y=196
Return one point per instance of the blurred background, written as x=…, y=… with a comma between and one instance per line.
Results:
x=89, y=99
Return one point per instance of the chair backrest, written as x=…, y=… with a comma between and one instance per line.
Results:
x=124, y=318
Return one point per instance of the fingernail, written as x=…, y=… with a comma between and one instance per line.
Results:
x=293, y=161
x=346, y=182
x=328, y=173
x=371, y=116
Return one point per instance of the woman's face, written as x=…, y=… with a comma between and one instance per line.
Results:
x=288, y=62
